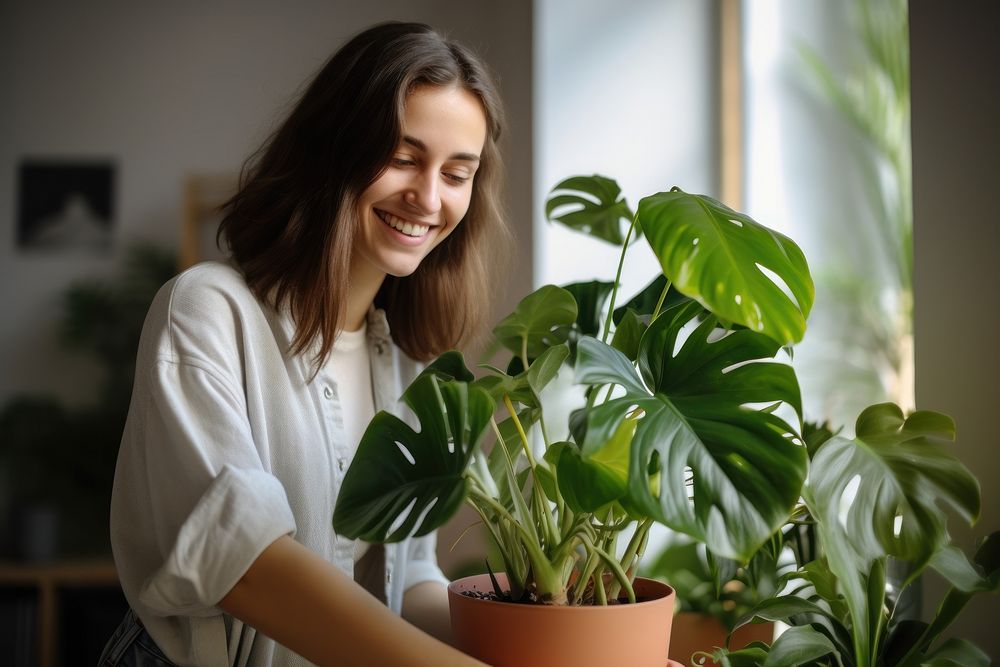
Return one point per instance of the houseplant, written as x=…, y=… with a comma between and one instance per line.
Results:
x=714, y=594
x=681, y=424
x=57, y=461
x=872, y=500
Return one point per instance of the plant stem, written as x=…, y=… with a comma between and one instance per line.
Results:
x=659, y=304
x=618, y=278
x=520, y=430
x=542, y=570
x=637, y=544
x=540, y=505
x=613, y=565
x=599, y=592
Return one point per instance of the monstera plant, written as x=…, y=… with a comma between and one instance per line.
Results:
x=872, y=501
x=679, y=426
x=685, y=385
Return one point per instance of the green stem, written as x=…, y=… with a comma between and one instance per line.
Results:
x=520, y=430
x=618, y=278
x=540, y=503
x=637, y=544
x=659, y=304
x=599, y=592
x=545, y=433
x=544, y=574
x=612, y=563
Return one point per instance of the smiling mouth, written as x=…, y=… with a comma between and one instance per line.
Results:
x=415, y=230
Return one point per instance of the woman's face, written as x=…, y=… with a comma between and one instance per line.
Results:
x=424, y=193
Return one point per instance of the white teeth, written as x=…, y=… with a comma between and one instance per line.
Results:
x=408, y=228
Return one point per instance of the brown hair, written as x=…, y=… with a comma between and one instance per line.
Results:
x=292, y=224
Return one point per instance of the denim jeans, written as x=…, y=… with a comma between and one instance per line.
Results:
x=131, y=646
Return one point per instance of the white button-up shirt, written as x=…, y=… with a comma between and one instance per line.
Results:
x=228, y=446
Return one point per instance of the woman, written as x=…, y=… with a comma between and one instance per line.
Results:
x=374, y=206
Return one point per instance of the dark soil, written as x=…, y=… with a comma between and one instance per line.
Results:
x=533, y=599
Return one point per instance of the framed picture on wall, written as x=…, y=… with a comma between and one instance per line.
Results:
x=65, y=205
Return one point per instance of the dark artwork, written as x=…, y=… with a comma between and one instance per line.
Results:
x=65, y=205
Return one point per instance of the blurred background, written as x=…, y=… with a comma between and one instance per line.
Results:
x=124, y=124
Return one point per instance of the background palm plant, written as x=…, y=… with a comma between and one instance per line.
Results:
x=866, y=315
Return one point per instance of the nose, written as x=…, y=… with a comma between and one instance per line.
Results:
x=423, y=194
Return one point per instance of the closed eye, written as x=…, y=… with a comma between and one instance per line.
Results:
x=456, y=178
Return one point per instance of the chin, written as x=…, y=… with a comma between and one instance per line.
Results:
x=401, y=269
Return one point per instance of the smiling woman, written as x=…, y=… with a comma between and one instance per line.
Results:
x=374, y=207
x=424, y=194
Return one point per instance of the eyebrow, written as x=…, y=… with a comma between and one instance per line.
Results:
x=419, y=145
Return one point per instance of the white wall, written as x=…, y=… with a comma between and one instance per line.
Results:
x=626, y=90
x=167, y=89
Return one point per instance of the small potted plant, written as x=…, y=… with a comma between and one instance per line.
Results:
x=680, y=426
x=874, y=501
x=715, y=594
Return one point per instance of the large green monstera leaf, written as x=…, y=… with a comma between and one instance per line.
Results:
x=592, y=205
x=745, y=465
x=724, y=259
x=404, y=482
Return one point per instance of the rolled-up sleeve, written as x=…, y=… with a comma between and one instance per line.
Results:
x=212, y=508
x=241, y=513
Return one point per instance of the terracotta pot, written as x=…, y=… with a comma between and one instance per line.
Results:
x=505, y=634
x=700, y=632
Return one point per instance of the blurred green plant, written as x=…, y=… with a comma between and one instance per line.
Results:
x=718, y=587
x=871, y=320
x=63, y=457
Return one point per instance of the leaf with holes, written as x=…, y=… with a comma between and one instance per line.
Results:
x=747, y=469
x=890, y=481
x=879, y=494
x=729, y=263
x=404, y=482
x=538, y=322
x=592, y=205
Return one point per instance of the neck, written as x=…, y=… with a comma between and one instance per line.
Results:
x=365, y=283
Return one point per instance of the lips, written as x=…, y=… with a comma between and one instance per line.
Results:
x=407, y=227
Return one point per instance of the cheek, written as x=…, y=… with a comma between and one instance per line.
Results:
x=459, y=207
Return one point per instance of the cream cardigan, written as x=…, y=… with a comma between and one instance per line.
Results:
x=227, y=447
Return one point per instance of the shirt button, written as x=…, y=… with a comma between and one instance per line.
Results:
x=388, y=576
x=340, y=464
x=328, y=392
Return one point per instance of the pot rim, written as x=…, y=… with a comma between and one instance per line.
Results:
x=663, y=592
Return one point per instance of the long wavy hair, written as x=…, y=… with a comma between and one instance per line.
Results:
x=292, y=224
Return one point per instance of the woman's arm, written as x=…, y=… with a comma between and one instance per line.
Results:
x=426, y=606
x=300, y=600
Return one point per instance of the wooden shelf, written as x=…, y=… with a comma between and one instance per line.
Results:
x=48, y=579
